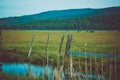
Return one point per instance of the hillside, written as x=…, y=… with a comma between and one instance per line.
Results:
x=72, y=19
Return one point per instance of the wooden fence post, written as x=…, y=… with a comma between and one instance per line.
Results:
x=46, y=55
x=68, y=44
x=30, y=50
x=0, y=41
x=60, y=51
x=67, y=50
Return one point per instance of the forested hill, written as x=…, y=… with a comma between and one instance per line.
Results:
x=72, y=19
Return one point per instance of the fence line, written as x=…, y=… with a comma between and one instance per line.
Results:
x=69, y=74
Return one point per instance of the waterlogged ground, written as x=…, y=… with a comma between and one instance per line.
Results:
x=26, y=69
x=16, y=46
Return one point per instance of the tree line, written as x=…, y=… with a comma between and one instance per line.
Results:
x=97, y=22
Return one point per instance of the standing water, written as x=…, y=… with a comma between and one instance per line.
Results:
x=24, y=69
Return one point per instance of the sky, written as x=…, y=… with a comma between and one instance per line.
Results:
x=11, y=8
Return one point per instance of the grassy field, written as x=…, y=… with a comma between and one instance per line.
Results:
x=104, y=42
x=19, y=42
x=16, y=46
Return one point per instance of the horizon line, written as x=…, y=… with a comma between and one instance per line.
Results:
x=57, y=10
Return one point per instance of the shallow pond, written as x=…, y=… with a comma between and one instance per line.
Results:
x=39, y=71
x=25, y=69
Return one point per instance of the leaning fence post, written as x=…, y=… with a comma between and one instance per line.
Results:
x=68, y=44
x=29, y=53
x=67, y=50
x=60, y=51
x=46, y=55
x=0, y=41
x=30, y=50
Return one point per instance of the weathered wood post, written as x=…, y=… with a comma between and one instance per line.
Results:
x=0, y=41
x=68, y=44
x=58, y=64
x=67, y=50
x=46, y=57
x=29, y=53
x=59, y=70
x=30, y=50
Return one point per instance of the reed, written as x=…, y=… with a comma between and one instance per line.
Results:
x=70, y=63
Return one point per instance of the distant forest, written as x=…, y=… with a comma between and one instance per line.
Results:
x=91, y=22
x=101, y=22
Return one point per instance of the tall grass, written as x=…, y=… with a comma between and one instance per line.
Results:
x=16, y=47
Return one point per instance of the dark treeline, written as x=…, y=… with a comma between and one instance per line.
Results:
x=98, y=22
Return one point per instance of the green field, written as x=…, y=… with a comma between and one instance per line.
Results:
x=104, y=42
x=16, y=44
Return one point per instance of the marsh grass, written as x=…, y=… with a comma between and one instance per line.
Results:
x=16, y=46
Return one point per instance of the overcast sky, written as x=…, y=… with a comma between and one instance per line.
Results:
x=26, y=7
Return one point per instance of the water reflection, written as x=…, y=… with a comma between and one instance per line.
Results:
x=26, y=69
